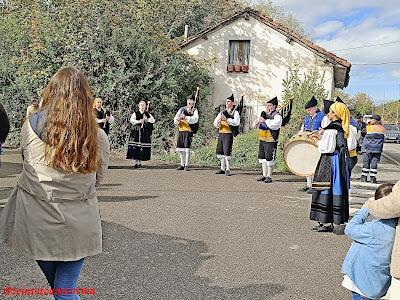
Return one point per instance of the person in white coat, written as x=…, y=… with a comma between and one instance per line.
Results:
x=52, y=215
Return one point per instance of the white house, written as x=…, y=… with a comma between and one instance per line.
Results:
x=251, y=54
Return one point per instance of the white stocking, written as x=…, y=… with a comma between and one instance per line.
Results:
x=223, y=163
x=187, y=158
x=182, y=156
x=227, y=163
x=264, y=168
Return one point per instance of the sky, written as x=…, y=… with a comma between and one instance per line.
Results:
x=343, y=24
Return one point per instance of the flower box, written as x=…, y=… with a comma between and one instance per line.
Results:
x=231, y=68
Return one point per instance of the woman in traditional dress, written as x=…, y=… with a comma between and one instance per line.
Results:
x=139, y=145
x=103, y=117
x=330, y=201
x=52, y=215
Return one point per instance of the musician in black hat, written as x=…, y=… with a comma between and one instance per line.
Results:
x=269, y=124
x=227, y=122
x=185, y=118
x=312, y=122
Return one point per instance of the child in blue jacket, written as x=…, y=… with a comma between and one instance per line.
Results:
x=366, y=267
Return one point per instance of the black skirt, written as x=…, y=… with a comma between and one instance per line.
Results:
x=184, y=140
x=139, y=145
x=224, y=145
x=267, y=150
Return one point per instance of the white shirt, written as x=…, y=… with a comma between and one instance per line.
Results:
x=352, y=139
x=235, y=121
x=133, y=120
x=325, y=122
x=273, y=124
x=349, y=284
x=110, y=120
x=190, y=119
x=327, y=144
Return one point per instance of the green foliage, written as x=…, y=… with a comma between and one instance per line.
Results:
x=123, y=63
x=276, y=12
x=244, y=152
x=300, y=88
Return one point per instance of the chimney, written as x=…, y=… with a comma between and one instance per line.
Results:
x=186, y=32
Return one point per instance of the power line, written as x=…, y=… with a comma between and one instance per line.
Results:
x=378, y=64
x=367, y=46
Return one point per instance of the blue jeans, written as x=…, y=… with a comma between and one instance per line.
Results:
x=62, y=275
x=355, y=296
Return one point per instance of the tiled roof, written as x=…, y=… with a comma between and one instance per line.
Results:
x=246, y=13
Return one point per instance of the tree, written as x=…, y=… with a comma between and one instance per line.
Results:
x=123, y=63
x=299, y=87
x=363, y=104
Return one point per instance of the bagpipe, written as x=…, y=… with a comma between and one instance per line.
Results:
x=190, y=111
x=230, y=115
x=285, y=111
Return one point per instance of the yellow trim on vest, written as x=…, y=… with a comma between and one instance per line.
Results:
x=184, y=126
x=265, y=135
x=224, y=127
x=353, y=153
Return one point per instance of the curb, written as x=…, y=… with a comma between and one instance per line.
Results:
x=391, y=159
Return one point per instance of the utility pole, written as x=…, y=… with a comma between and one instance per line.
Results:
x=398, y=104
x=383, y=106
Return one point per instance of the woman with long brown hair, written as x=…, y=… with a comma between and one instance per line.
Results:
x=52, y=215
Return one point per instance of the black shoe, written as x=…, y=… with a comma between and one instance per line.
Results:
x=268, y=180
x=228, y=173
x=318, y=226
x=373, y=179
x=262, y=178
x=136, y=166
x=304, y=189
x=186, y=168
x=180, y=168
x=328, y=228
x=339, y=229
x=363, y=178
x=140, y=165
x=220, y=172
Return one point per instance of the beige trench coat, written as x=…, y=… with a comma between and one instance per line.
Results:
x=52, y=214
x=386, y=208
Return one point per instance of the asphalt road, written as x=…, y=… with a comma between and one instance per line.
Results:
x=392, y=150
x=195, y=235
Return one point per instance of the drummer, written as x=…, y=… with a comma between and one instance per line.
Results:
x=312, y=122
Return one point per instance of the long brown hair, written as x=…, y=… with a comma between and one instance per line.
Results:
x=71, y=129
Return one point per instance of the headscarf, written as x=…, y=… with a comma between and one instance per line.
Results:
x=342, y=112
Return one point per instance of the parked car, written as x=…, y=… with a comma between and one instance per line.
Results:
x=392, y=133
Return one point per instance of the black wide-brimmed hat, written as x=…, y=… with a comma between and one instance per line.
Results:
x=327, y=105
x=273, y=101
x=312, y=103
x=231, y=97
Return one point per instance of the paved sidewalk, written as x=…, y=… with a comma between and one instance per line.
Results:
x=388, y=171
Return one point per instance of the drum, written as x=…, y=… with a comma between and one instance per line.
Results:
x=301, y=153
